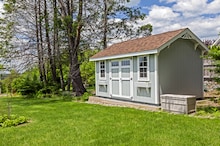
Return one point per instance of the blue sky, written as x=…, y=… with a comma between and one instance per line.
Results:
x=201, y=16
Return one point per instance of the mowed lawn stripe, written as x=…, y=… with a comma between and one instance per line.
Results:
x=57, y=122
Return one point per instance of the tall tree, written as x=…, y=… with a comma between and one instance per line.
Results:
x=41, y=48
x=112, y=20
x=57, y=54
x=51, y=32
x=73, y=29
x=40, y=62
x=49, y=48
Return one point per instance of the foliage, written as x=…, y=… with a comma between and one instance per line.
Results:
x=27, y=83
x=87, y=68
x=67, y=96
x=88, y=73
x=13, y=120
x=56, y=122
x=1, y=66
x=47, y=91
x=208, y=111
x=145, y=30
x=8, y=82
x=84, y=97
x=52, y=35
x=113, y=20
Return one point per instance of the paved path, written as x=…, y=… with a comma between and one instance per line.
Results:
x=112, y=102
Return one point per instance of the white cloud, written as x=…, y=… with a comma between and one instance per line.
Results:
x=213, y=7
x=193, y=8
x=133, y=3
x=202, y=17
x=205, y=27
x=190, y=8
x=162, y=13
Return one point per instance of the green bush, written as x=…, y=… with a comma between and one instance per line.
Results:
x=88, y=73
x=48, y=91
x=13, y=120
x=3, y=118
x=27, y=84
x=67, y=96
x=84, y=97
x=208, y=111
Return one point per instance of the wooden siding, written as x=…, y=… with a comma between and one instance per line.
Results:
x=208, y=67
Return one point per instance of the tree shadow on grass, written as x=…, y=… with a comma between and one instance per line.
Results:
x=21, y=101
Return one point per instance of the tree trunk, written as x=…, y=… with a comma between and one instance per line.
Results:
x=76, y=76
x=69, y=82
x=51, y=59
x=38, y=41
x=41, y=45
x=105, y=24
x=56, y=48
x=73, y=41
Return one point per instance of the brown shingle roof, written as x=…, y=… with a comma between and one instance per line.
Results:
x=138, y=45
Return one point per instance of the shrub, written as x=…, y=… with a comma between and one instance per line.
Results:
x=67, y=96
x=208, y=111
x=84, y=97
x=13, y=120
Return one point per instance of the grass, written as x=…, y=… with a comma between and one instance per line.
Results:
x=57, y=122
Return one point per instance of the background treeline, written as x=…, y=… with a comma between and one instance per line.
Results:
x=47, y=43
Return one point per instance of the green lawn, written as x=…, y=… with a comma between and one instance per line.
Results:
x=57, y=122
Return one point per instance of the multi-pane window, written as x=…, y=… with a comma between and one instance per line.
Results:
x=115, y=63
x=143, y=67
x=102, y=69
x=125, y=62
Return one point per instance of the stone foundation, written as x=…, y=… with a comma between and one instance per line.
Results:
x=210, y=85
x=113, y=102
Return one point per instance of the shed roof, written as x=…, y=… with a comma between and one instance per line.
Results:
x=152, y=44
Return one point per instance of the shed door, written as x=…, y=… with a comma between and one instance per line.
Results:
x=121, y=78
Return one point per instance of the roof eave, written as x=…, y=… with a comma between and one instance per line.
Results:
x=188, y=32
x=154, y=51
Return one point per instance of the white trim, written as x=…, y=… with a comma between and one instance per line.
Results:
x=119, y=78
x=110, y=79
x=216, y=42
x=157, y=95
x=126, y=55
x=132, y=79
x=96, y=80
x=102, y=78
x=188, y=32
x=138, y=69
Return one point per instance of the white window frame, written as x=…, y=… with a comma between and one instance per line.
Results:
x=115, y=61
x=148, y=67
x=120, y=66
x=102, y=78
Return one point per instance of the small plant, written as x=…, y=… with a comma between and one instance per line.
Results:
x=67, y=96
x=212, y=98
x=218, y=100
x=208, y=111
x=13, y=120
x=85, y=96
